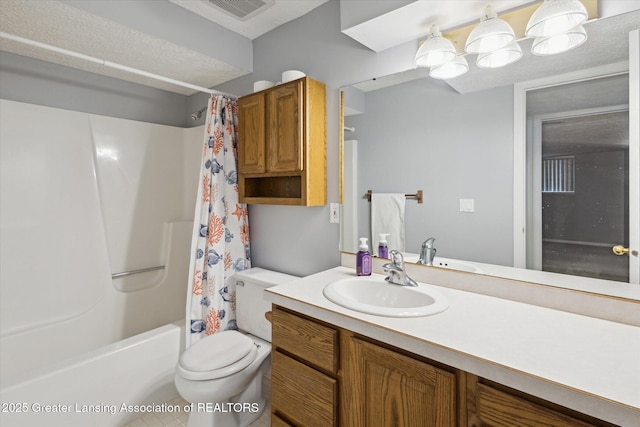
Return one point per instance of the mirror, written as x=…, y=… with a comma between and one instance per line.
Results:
x=455, y=142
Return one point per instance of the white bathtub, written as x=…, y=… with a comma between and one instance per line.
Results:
x=101, y=387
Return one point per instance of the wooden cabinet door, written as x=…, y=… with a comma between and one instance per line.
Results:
x=489, y=407
x=385, y=388
x=251, y=134
x=286, y=128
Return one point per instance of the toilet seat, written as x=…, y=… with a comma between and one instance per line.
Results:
x=216, y=356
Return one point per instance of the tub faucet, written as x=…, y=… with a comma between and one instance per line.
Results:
x=395, y=268
x=428, y=252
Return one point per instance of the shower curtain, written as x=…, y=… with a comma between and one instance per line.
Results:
x=220, y=243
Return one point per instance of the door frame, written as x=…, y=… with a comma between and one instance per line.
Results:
x=522, y=128
x=534, y=199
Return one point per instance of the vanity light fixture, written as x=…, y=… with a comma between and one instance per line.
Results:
x=555, y=25
x=500, y=57
x=559, y=43
x=449, y=70
x=436, y=50
x=491, y=34
x=555, y=17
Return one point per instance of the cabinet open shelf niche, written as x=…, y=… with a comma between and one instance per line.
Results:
x=281, y=189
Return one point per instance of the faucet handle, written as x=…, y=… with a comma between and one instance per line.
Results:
x=429, y=242
x=397, y=257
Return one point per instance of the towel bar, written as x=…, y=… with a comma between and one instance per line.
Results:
x=417, y=196
x=142, y=270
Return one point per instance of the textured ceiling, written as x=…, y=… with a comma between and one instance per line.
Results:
x=68, y=27
x=279, y=13
x=63, y=25
x=588, y=133
x=57, y=24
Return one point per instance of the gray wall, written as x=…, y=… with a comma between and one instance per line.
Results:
x=300, y=240
x=38, y=82
x=422, y=135
x=296, y=240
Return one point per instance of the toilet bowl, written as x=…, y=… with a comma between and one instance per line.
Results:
x=230, y=394
x=221, y=375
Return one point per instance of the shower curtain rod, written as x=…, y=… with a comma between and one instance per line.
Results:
x=111, y=64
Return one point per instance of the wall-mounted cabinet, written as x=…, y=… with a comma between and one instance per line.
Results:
x=282, y=145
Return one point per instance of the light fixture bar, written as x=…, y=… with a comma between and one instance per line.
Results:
x=518, y=20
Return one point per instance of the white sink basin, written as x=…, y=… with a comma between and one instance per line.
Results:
x=452, y=264
x=373, y=295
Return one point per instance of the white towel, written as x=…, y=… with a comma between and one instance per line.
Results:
x=387, y=216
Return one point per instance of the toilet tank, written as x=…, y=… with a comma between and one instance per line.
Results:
x=251, y=305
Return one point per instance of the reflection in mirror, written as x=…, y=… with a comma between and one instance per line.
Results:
x=579, y=170
x=413, y=132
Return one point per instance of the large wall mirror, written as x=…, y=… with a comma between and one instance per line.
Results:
x=525, y=170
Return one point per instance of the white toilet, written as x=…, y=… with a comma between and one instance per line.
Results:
x=221, y=375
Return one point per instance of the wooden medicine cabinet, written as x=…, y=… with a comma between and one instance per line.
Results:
x=282, y=145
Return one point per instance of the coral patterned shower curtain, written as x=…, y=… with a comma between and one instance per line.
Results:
x=220, y=243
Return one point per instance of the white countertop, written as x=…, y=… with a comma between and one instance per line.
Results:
x=587, y=364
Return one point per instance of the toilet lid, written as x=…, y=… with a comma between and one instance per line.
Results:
x=219, y=373
x=218, y=351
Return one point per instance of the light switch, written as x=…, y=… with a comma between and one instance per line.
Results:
x=334, y=213
x=467, y=205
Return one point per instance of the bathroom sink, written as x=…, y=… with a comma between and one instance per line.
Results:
x=373, y=295
x=452, y=264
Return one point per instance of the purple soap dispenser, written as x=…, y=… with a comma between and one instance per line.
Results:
x=383, y=248
x=363, y=259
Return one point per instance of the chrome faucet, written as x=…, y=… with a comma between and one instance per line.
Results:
x=395, y=268
x=428, y=252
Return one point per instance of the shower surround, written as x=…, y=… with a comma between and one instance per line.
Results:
x=85, y=197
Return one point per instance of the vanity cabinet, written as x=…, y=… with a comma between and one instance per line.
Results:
x=494, y=405
x=282, y=145
x=304, y=370
x=323, y=375
x=382, y=387
x=315, y=364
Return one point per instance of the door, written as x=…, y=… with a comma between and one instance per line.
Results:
x=385, y=388
x=581, y=193
x=286, y=119
x=251, y=134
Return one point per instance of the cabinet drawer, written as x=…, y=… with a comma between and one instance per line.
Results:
x=496, y=408
x=302, y=394
x=308, y=340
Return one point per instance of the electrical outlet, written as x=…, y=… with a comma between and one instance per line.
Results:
x=467, y=205
x=334, y=213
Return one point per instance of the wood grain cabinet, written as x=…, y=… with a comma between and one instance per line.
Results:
x=383, y=387
x=323, y=375
x=282, y=145
x=304, y=384
x=326, y=376
x=494, y=405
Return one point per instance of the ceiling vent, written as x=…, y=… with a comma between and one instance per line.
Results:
x=242, y=10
